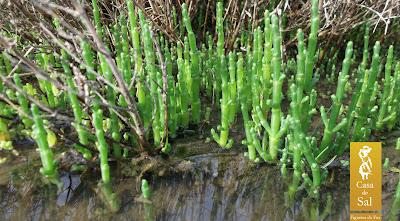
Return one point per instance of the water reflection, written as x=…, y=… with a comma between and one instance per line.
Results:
x=109, y=198
x=227, y=187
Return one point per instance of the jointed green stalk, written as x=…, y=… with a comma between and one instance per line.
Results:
x=309, y=56
x=266, y=80
x=312, y=47
x=49, y=168
x=351, y=109
x=182, y=89
x=365, y=95
x=146, y=193
x=188, y=69
x=256, y=72
x=232, y=87
x=97, y=21
x=195, y=66
x=125, y=58
x=106, y=71
x=88, y=57
x=398, y=144
x=222, y=139
x=101, y=143
x=151, y=69
x=300, y=139
x=331, y=125
x=276, y=130
x=386, y=98
x=395, y=98
x=46, y=86
x=242, y=94
x=111, y=97
x=23, y=102
x=143, y=100
x=73, y=99
x=172, y=102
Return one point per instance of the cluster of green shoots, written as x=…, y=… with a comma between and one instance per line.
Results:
x=291, y=138
x=151, y=91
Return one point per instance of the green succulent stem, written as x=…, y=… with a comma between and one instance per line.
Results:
x=145, y=189
x=386, y=96
x=331, y=125
x=278, y=127
x=151, y=69
x=102, y=145
x=23, y=101
x=49, y=167
x=195, y=66
x=365, y=95
x=312, y=47
x=223, y=139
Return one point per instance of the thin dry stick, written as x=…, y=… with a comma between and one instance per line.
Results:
x=238, y=26
x=154, y=23
x=19, y=62
x=206, y=19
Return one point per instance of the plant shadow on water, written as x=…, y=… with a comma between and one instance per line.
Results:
x=206, y=184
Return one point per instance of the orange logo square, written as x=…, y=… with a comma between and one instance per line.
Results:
x=365, y=180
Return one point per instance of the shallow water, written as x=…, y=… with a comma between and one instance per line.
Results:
x=214, y=186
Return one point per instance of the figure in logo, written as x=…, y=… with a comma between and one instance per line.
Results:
x=366, y=164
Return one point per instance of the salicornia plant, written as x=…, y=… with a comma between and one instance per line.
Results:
x=362, y=111
x=277, y=128
x=128, y=85
x=23, y=101
x=152, y=72
x=331, y=124
x=223, y=139
x=102, y=145
x=386, y=98
x=49, y=166
x=195, y=66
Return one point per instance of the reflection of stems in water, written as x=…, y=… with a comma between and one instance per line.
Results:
x=395, y=211
x=311, y=210
x=109, y=197
x=328, y=208
x=148, y=208
x=148, y=205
